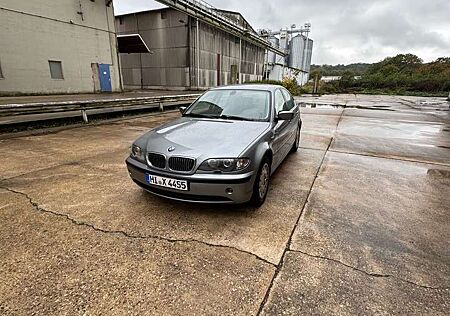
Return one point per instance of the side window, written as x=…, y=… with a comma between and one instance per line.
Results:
x=289, y=100
x=279, y=101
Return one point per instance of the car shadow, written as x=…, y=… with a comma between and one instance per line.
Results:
x=192, y=207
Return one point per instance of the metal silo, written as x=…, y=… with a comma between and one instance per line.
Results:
x=271, y=55
x=296, y=51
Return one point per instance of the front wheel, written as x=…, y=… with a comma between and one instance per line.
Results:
x=261, y=185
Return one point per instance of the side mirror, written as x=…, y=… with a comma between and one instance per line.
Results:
x=285, y=115
x=182, y=109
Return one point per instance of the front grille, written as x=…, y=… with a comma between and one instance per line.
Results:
x=157, y=160
x=181, y=163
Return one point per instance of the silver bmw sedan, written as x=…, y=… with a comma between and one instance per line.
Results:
x=223, y=149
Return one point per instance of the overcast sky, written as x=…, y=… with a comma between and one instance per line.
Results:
x=347, y=31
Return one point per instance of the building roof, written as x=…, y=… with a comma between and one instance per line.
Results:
x=238, y=15
x=245, y=23
x=143, y=11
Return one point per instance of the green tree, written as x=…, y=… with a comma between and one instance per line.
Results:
x=347, y=80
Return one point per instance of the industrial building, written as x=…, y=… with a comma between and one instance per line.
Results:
x=181, y=58
x=188, y=53
x=64, y=46
x=297, y=62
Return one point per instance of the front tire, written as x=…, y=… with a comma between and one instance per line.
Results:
x=261, y=185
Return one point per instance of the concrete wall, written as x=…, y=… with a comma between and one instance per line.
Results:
x=171, y=36
x=34, y=32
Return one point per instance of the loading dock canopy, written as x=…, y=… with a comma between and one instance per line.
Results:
x=132, y=43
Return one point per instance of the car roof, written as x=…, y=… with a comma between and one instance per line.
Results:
x=263, y=87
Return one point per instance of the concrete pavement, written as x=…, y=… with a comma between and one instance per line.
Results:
x=356, y=222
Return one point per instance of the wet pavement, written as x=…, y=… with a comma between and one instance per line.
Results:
x=356, y=222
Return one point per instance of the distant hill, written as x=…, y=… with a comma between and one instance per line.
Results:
x=357, y=69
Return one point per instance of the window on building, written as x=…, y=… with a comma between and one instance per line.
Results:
x=1, y=72
x=163, y=15
x=56, y=71
x=120, y=20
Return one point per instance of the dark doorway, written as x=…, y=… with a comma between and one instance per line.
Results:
x=219, y=70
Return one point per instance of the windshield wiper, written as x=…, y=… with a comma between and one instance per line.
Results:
x=233, y=117
x=199, y=115
x=223, y=116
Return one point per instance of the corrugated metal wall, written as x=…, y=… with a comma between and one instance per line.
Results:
x=297, y=50
x=166, y=34
x=272, y=57
x=220, y=50
x=171, y=35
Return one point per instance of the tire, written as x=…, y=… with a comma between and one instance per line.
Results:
x=260, y=190
x=296, y=141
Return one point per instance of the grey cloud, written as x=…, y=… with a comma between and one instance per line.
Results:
x=348, y=30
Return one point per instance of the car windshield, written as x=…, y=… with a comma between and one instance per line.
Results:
x=251, y=105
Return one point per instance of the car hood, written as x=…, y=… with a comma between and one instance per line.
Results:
x=204, y=138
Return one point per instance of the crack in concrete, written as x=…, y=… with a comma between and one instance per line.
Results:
x=371, y=274
x=128, y=235
x=280, y=264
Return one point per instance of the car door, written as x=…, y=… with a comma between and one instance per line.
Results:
x=293, y=125
x=281, y=130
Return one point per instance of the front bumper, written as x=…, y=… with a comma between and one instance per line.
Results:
x=203, y=188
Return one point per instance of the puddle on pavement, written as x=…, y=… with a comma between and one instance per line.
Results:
x=309, y=105
x=379, y=108
x=434, y=105
x=437, y=102
x=439, y=173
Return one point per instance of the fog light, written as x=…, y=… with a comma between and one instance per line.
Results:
x=229, y=191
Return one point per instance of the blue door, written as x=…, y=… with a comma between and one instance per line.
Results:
x=105, y=77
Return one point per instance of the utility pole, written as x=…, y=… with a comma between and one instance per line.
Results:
x=197, y=40
x=240, y=60
x=316, y=84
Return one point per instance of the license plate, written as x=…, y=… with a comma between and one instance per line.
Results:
x=166, y=182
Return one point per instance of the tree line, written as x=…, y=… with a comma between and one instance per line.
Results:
x=401, y=74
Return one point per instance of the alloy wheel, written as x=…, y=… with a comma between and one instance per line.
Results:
x=263, y=180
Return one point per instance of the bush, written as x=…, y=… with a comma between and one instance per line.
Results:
x=402, y=74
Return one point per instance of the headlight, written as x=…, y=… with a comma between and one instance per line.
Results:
x=225, y=164
x=137, y=153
